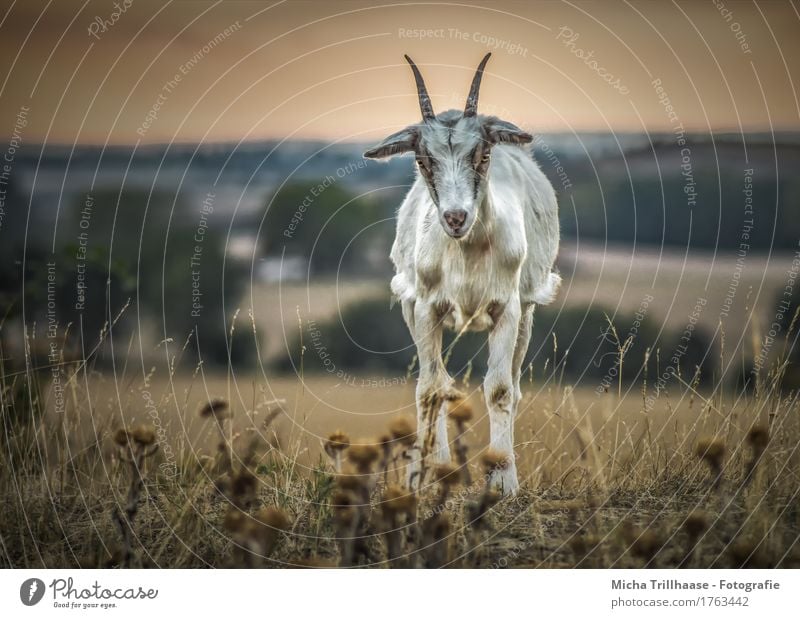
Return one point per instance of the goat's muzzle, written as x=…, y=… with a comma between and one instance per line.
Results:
x=455, y=220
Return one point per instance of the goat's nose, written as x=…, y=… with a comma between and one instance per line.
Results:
x=455, y=219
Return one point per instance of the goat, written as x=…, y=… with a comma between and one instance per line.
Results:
x=483, y=267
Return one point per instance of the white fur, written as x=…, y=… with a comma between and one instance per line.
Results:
x=487, y=280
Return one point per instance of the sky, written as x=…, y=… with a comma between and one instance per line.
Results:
x=140, y=71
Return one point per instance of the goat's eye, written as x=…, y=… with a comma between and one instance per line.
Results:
x=485, y=158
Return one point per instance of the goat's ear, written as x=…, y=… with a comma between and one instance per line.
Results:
x=397, y=143
x=502, y=132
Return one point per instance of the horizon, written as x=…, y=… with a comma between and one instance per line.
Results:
x=335, y=71
x=718, y=135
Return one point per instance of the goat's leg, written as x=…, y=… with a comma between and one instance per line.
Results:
x=434, y=387
x=500, y=393
x=521, y=349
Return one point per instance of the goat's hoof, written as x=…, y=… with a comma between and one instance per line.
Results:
x=505, y=481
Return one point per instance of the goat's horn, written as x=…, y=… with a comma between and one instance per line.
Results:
x=471, y=109
x=424, y=100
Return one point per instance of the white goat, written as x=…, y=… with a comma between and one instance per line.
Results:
x=484, y=266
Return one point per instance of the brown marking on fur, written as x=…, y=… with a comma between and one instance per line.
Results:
x=429, y=279
x=501, y=395
x=495, y=310
x=485, y=246
x=442, y=308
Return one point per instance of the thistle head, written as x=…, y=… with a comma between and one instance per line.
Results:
x=396, y=500
x=447, y=474
x=338, y=441
x=351, y=483
x=460, y=411
x=758, y=438
x=216, y=408
x=243, y=487
x=494, y=460
x=646, y=545
x=712, y=451
x=235, y=520
x=273, y=517
x=403, y=431
x=695, y=523
x=122, y=437
x=363, y=455
x=143, y=435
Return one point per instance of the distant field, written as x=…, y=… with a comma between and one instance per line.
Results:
x=613, y=279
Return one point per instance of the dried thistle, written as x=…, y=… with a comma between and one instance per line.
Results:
x=402, y=430
x=122, y=437
x=398, y=506
x=243, y=488
x=351, y=506
x=745, y=553
x=144, y=435
x=758, y=439
x=712, y=451
x=335, y=445
x=646, y=546
x=385, y=444
x=363, y=455
x=695, y=525
x=397, y=500
x=460, y=412
x=447, y=475
x=346, y=522
x=436, y=540
x=219, y=410
x=583, y=545
x=216, y=408
x=494, y=461
x=256, y=537
x=135, y=445
x=270, y=521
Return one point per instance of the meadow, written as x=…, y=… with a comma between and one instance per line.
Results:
x=245, y=470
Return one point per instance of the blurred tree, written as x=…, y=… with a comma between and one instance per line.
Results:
x=321, y=222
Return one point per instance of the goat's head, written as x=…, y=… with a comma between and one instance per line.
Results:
x=453, y=152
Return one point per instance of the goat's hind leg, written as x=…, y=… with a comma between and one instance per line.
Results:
x=521, y=349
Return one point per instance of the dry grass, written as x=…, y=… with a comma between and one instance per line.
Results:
x=197, y=471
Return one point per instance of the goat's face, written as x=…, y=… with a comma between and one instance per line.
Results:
x=453, y=153
x=453, y=159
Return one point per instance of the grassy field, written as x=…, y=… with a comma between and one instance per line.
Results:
x=198, y=470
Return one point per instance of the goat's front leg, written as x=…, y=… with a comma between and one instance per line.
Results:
x=499, y=391
x=434, y=388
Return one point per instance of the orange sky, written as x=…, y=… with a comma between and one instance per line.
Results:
x=334, y=70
